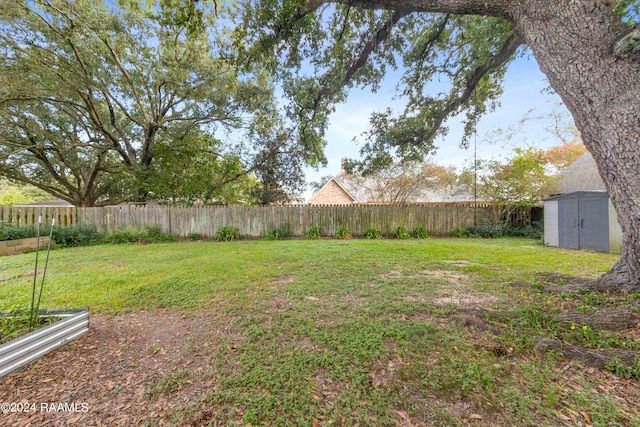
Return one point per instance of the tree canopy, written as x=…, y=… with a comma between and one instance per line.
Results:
x=93, y=91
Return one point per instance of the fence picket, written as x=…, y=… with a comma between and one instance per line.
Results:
x=254, y=222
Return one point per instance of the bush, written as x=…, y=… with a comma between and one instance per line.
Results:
x=460, y=232
x=400, y=233
x=535, y=231
x=343, y=233
x=313, y=233
x=12, y=232
x=140, y=234
x=373, y=233
x=226, y=234
x=78, y=235
x=420, y=232
x=276, y=234
x=195, y=236
x=490, y=230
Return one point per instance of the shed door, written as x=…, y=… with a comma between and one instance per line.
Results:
x=568, y=227
x=594, y=224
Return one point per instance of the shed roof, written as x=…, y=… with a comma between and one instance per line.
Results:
x=581, y=175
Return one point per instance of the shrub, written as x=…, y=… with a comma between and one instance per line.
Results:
x=400, y=233
x=489, y=229
x=420, y=232
x=195, y=236
x=78, y=235
x=313, y=233
x=535, y=231
x=276, y=234
x=343, y=233
x=140, y=234
x=12, y=232
x=460, y=232
x=373, y=233
x=226, y=234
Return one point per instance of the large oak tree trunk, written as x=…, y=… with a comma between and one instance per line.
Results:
x=579, y=46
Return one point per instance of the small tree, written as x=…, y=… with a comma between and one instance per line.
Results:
x=195, y=170
x=405, y=182
x=560, y=157
x=521, y=182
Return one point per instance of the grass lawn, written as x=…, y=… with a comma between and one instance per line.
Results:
x=357, y=332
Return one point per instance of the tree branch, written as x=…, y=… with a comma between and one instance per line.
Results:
x=380, y=36
x=497, y=8
x=508, y=49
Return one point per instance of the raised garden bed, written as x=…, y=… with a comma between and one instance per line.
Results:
x=67, y=325
x=19, y=246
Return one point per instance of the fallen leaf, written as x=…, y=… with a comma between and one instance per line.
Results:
x=573, y=414
x=476, y=417
x=562, y=416
x=587, y=417
x=403, y=415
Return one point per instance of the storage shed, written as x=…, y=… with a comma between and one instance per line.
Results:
x=582, y=216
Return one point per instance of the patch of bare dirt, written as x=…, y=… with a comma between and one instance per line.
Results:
x=283, y=280
x=392, y=275
x=465, y=299
x=448, y=275
x=459, y=263
x=104, y=375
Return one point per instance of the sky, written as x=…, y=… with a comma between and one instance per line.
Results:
x=524, y=90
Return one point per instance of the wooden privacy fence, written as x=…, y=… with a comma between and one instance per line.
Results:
x=254, y=222
x=26, y=216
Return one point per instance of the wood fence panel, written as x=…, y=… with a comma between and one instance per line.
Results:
x=23, y=216
x=255, y=222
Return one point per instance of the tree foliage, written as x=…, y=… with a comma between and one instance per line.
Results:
x=522, y=181
x=92, y=91
x=278, y=168
x=12, y=194
x=356, y=46
x=409, y=182
x=193, y=170
x=559, y=157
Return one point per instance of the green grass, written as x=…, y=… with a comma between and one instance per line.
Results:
x=352, y=332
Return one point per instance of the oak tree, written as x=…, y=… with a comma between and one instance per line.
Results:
x=91, y=91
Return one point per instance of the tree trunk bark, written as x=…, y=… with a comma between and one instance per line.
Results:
x=595, y=358
x=578, y=46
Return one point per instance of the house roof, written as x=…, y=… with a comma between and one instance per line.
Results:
x=363, y=190
x=48, y=204
x=337, y=182
x=581, y=175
